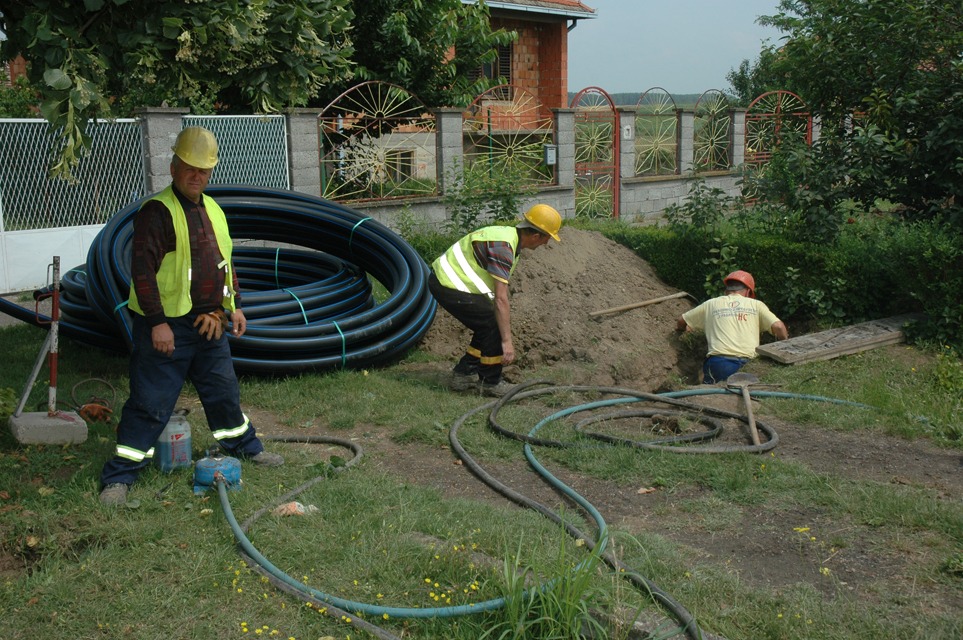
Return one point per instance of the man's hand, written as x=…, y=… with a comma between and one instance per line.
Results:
x=211, y=325
x=239, y=322
x=162, y=338
x=508, y=352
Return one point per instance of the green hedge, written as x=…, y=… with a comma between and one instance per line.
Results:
x=876, y=268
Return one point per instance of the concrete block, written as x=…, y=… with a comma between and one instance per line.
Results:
x=64, y=427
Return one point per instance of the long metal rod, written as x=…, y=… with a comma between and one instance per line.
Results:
x=33, y=376
x=48, y=352
x=54, y=333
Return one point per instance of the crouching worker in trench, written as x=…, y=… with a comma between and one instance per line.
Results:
x=182, y=280
x=732, y=324
x=470, y=281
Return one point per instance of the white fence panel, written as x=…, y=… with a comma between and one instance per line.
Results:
x=25, y=255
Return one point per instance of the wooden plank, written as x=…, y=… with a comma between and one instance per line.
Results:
x=841, y=341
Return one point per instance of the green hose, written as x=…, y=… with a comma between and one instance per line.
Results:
x=343, y=609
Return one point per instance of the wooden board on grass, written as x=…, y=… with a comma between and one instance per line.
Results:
x=832, y=343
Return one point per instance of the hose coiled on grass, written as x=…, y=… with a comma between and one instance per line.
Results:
x=308, y=298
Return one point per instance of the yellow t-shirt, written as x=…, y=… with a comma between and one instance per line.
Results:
x=732, y=324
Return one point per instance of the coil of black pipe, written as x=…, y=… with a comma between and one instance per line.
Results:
x=303, y=264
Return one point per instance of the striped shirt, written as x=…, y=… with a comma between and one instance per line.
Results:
x=495, y=257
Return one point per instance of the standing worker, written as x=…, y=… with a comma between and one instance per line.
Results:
x=470, y=281
x=182, y=280
x=732, y=324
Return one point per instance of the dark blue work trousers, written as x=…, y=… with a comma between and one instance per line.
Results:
x=156, y=381
x=477, y=312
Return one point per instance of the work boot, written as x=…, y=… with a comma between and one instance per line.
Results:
x=266, y=459
x=463, y=382
x=496, y=390
x=114, y=495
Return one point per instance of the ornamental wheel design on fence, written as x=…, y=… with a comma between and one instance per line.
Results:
x=656, y=134
x=506, y=129
x=377, y=142
x=596, y=154
x=713, y=132
x=773, y=119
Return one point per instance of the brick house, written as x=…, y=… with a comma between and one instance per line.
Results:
x=538, y=60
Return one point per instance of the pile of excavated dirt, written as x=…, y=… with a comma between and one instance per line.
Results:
x=553, y=291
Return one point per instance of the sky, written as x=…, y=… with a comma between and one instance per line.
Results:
x=682, y=46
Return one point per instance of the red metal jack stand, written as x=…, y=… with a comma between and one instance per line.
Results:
x=54, y=426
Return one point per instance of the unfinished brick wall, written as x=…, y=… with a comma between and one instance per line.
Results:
x=539, y=60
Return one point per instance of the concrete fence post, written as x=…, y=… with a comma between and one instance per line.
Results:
x=565, y=140
x=738, y=138
x=304, y=150
x=626, y=135
x=449, y=149
x=686, y=141
x=159, y=128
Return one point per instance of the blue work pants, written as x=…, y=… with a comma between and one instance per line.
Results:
x=156, y=381
x=719, y=368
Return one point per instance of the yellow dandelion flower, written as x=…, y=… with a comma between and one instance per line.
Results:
x=385, y=616
x=825, y=571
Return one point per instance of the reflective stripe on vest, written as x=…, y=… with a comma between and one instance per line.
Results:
x=458, y=269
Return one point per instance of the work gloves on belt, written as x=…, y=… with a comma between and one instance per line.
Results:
x=211, y=325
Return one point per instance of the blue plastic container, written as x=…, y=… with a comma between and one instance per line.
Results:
x=173, y=448
x=207, y=468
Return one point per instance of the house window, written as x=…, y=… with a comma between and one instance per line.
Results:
x=498, y=69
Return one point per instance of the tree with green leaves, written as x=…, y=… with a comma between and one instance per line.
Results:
x=103, y=58
x=886, y=80
x=751, y=80
x=429, y=47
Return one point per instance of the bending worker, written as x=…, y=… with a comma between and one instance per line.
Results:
x=470, y=281
x=182, y=280
x=732, y=324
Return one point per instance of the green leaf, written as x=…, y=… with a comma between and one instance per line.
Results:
x=57, y=79
x=93, y=5
x=51, y=110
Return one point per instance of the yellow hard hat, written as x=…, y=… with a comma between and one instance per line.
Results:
x=197, y=147
x=544, y=218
